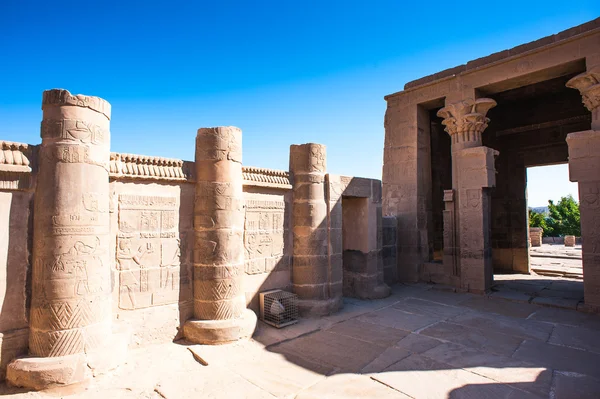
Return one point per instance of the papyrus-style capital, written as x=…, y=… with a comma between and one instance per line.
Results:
x=466, y=120
x=588, y=84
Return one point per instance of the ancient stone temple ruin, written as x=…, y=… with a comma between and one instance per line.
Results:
x=105, y=251
x=457, y=145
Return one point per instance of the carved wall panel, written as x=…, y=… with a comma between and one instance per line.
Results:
x=264, y=235
x=148, y=251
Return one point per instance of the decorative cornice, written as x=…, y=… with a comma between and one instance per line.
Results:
x=266, y=177
x=59, y=97
x=466, y=120
x=15, y=169
x=588, y=84
x=131, y=166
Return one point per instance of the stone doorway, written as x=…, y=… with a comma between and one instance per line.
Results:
x=529, y=128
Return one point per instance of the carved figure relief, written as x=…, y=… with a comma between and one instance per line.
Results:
x=148, y=251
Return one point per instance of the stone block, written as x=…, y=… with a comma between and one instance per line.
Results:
x=569, y=241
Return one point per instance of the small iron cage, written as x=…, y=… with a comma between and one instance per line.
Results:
x=278, y=308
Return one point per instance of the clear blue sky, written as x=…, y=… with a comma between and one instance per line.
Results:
x=285, y=72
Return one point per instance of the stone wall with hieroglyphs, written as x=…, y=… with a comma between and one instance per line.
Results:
x=153, y=240
x=267, y=248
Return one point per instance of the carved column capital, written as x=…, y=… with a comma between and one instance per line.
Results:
x=588, y=84
x=466, y=120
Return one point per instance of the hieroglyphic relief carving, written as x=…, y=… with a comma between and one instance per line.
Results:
x=73, y=130
x=148, y=251
x=264, y=235
x=70, y=274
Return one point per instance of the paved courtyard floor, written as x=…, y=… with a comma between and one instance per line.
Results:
x=556, y=260
x=418, y=343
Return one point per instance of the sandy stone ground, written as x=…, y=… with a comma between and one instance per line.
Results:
x=420, y=342
x=556, y=261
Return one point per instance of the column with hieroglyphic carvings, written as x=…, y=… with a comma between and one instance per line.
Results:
x=313, y=273
x=473, y=173
x=219, y=299
x=584, y=168
x=70, y=319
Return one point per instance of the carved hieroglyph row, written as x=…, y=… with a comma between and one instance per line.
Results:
x=148, y=251
x=264, y=235
x=80, y=131
x=144, y=167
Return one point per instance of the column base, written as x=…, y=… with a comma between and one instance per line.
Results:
x=319, y=308
x=39, y=373
x=217, y=332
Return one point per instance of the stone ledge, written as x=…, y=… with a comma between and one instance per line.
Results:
x=132, y=166
x=15, y=169
x=263, y=177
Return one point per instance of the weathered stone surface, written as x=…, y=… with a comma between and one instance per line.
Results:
x=219, y=298
x=505, y=325
x=475, y=338
x=559, y=357
x=346, y=354
x=575, y=337
x=350, y=387
x=369, y=332
x=412, y=376
x=398, y=319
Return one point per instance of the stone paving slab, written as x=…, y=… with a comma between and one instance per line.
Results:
x=470, y=337
x=369, y=332
x=559, y=358
x=575, y=386
x=348, y=386
x=576, y=337
x=421, y=377
x=428, y=308
x=347, y=354
x=505, y=308
x=399, y=319
x=420, y=343
x=504, y=324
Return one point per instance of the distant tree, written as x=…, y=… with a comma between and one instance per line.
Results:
x=538, y=219
x=564, y=218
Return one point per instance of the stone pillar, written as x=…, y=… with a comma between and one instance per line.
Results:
x=219, y=297
x=472, y=174
x=450, y=251
x=70, y=321
x=535, y=236
x=312, y=274
x=584, y=168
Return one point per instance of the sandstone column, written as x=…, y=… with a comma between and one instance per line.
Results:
x=219, y=297
x=472, y=174
x=584, y=168
x=70, y=320
x=312, y=273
